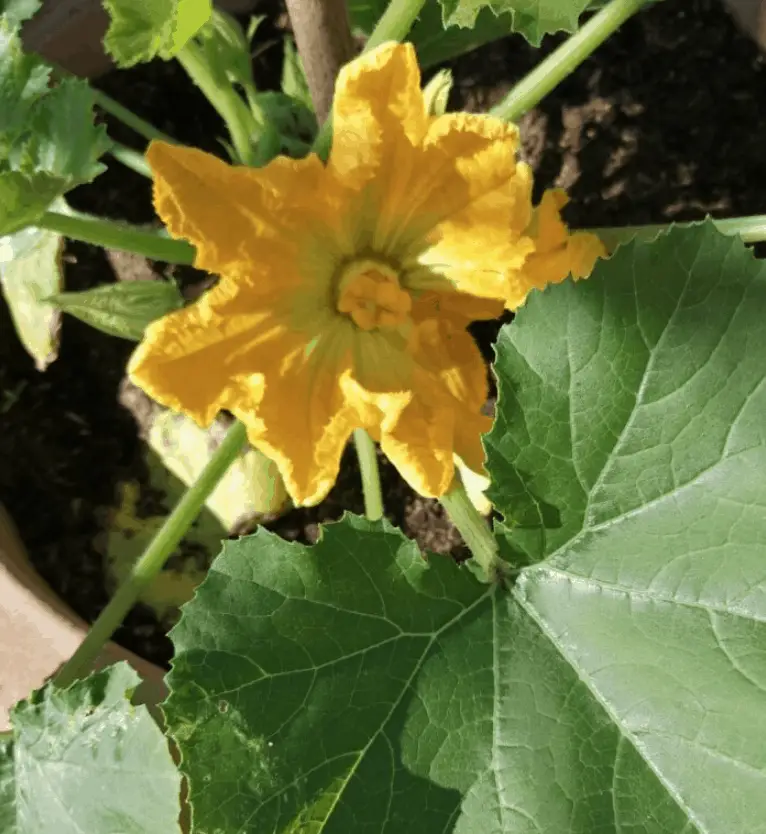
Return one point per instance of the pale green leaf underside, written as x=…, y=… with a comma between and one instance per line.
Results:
x=619, y=687
x=144, y=29
x=30, y=271
x=85, y=760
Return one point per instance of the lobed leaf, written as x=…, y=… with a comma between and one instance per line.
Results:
x=48, y=141
x=17, y=11
x=85, y=759
x=123, y=309
x=448, y=28
x=620, y=685
x=141, y=30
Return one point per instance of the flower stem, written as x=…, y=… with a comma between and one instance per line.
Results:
x=128, y=117
x=395, y=22
x=113, y=235
x=368, y=466
x=563, y=61
x=473, y=527
x=134, y=160
x=221, y=94
x=751, y=229
x=154, y=557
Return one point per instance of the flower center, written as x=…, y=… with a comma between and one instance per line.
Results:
x=370, y=293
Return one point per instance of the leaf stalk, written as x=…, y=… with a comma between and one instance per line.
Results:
x=153, y=559
x=548, y=74
x=368, y=467
x=112, y=235
x=474, y=529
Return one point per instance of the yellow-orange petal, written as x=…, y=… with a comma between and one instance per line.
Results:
x=557, y=253
x=188, y=358
x=303, y=417
x=463, y=163
x=230, y=212
x=479, y=246
x=378, y=114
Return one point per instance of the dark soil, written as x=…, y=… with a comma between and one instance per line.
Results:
x=665, y=122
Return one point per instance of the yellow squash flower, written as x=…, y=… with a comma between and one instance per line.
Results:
x=335, y=308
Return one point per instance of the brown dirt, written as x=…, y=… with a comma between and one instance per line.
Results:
x=665, y=122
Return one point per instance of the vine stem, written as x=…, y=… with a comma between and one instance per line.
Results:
x=474, y=529
x=368, y=467
x=154, y=557
x=221, y=94
x=751, y=229
x=395, y=22
x=564, y=60
x=128, y=117
x=134, y=160
x=112, y=235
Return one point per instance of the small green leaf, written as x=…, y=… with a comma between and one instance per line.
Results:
x=531, y=18
x=294, y=83
x=48, y=141
x=84, y=759
x=123, y=309
x=31, y=271
x=17, y=11
x=141, y=31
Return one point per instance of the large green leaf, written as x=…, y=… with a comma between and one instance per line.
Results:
x=84, y=759
x=619, y=686
x=628, y=453
x=48, y=141
x=144, y=29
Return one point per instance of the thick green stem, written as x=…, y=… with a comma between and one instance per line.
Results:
x=154, y=557
x=751, y=229
x=395, y=22
x=368, y=466
x=128, y=117
x=134, y=160
x=221, y=94
x=113, y=235
x=473, y=527
x=559, y=64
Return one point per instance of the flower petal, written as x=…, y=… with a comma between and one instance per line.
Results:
x=303, y=417
x=557, y=254
x=229, y=212
x=189, y=359
x=379, y=114
x=481, y=245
